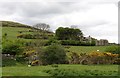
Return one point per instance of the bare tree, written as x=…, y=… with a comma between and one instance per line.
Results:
x=42, y=26
x=41, y=29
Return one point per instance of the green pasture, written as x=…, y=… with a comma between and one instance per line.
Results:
x=85, y=49
x=62, y=70
x=13, y=32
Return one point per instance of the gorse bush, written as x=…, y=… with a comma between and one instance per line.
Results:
x=94, y=58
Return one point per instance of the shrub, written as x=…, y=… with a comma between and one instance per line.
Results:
x=51, y=41
x=8, y=62
x=27, y=36
x=53, y=54
x=70, y=42
x=113, y=49
x=95, y=58
x=102, y=58
x=75, y=58
x=12, y=48
x=21, y=60
x=76, y=43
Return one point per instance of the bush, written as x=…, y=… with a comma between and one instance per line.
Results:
x=8, y=62
x=53, y=54
x=12, y=48
x=21, y=60
x=113, y=49
x=76, y=43
x=102, y=58
x=51, y=41
x=94, y=58
x=27, y=36
x=70, y=42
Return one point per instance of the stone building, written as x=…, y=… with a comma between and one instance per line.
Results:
x=102, y=42
x=87, y=39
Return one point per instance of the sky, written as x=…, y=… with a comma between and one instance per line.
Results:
x=97, y=18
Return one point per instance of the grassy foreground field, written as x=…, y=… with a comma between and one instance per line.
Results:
x=62, y=70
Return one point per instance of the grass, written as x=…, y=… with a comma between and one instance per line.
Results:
x=12, y=32
x=24, y=71
x=85, y=49
x=61, y=70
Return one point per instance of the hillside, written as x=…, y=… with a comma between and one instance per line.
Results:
x=14, y=29
x=13, y=24
x=13, y=32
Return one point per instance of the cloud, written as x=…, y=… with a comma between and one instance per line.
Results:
x=97, y=18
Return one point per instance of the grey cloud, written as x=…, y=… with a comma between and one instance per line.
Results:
x=7, y=8
x=89, y=25
x=39, y=9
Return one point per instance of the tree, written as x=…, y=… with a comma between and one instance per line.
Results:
x=60, y=33
x=42, y=26
x=53, y=54
x=68, y=33
x=41, y=29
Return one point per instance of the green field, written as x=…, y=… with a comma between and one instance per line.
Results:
x=62, y=70
x=12, y=32
x=85, y=49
